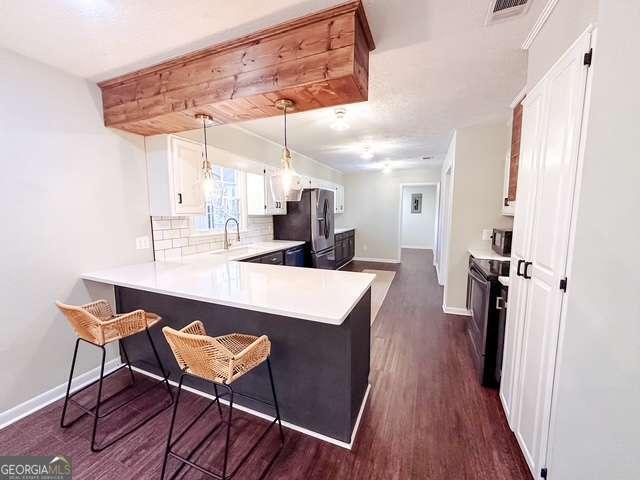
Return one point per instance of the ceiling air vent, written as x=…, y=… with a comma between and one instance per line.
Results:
x=505, y=9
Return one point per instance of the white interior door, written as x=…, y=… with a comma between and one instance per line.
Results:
x=564, y=94
x=520, y=249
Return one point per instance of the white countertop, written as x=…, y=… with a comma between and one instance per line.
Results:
x=325, y=296
x=504, y=281
x=342, y=230
x=485, y=253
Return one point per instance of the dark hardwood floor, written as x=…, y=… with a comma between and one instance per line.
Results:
x=427, y=416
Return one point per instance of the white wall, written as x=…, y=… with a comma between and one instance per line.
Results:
x=418, y=229
x=568, y=20
x=477, y=200
x=596, y=409
x=75, y=198
x=372, y=206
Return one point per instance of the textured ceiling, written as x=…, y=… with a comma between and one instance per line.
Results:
x=436, y=66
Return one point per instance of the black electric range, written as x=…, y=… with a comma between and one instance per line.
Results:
x=483, y=290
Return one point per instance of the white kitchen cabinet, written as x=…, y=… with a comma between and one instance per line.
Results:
x=547, y=179
x=261, y=198
x=174, y=165
x=339, y=199
x=508, y=206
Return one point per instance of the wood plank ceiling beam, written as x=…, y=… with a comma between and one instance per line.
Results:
x=319, y=60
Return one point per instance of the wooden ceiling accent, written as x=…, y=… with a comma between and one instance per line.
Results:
x=319, y=60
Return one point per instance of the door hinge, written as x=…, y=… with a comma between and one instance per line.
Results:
x=588, y=57
x=543, y=472
x=563, y=284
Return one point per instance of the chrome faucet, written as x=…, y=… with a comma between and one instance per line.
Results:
x=227, y=243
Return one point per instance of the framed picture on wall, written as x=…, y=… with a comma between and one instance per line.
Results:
x=416, y=203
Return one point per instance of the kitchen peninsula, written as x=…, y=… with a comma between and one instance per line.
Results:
x=317, y=320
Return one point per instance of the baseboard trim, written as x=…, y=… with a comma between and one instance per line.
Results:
x=342, y=266
x=292, y=426
x=440, y=282
x=416, y=247
x=456, y=311
x=377, y=260
x=56, y=393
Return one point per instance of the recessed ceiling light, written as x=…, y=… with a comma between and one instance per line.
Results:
x=340, y=124
x=366, y=154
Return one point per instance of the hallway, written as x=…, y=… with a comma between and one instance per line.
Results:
x=427, y=417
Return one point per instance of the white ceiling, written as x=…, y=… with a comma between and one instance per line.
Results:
x=436, y=66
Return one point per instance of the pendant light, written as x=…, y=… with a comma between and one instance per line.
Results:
x=207, y=177
x=289, y=179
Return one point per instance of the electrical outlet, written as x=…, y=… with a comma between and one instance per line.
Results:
x=142, y=243
x=487, y=233
x=364, y=247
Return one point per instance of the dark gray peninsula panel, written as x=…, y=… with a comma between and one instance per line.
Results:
x=321, y=370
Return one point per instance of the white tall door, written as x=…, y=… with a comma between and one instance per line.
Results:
x=558, y=146
x=520, y=248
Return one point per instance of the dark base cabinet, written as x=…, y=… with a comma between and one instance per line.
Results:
x=345, y=247
x=321, y=371
x=293, y=257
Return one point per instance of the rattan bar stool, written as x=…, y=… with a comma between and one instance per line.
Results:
x=220, y=361
x=95, y=324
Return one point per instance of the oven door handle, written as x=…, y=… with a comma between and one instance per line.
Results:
x=478, y=278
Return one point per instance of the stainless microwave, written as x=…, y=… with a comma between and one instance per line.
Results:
x=501, y=241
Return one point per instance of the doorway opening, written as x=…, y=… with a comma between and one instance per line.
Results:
x=418, y=215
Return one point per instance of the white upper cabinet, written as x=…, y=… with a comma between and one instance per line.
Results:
x=261, y=198
x=339, y=199
x=174, y=169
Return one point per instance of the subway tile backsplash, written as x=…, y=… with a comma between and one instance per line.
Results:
x=174, y=237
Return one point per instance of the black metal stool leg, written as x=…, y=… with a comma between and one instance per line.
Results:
x=66, y=398
x=173, y=422
x=226, y=445
x=126, y=358
x=165, y=375
x=215, y=389
x=275, y=400
x=97, y=413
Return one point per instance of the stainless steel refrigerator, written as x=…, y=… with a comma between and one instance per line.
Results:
x=310, y=220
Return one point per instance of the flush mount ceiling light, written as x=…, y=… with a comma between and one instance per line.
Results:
x=290, y=181
x=366, y=154
x=209, y=181
x=340, y=124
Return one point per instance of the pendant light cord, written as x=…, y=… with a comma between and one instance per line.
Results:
x=285, y=126
x=204, y=128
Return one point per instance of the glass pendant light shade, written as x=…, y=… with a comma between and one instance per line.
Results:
x=289, y=181
x=208, y=180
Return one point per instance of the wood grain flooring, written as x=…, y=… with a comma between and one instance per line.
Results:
x=427, y=416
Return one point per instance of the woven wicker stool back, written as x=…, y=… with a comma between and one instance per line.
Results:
x=219, y=359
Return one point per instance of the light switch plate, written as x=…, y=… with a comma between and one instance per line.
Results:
x=487, y=233
x=142, y=243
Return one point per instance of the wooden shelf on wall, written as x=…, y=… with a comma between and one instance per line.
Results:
x=319, y=60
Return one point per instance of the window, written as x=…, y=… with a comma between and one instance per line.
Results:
x=228, y=202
